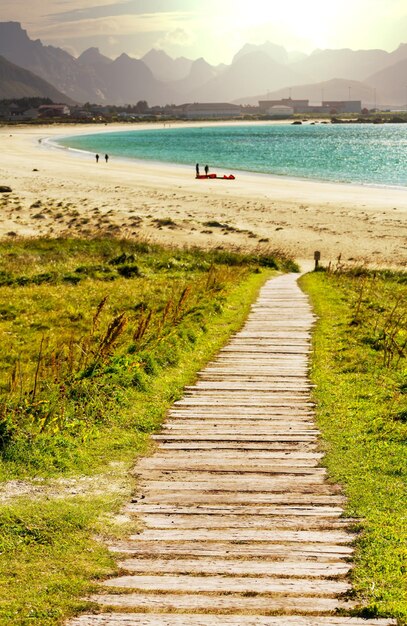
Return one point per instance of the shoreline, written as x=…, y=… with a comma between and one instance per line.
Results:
x=129, y=198
x=53, y=143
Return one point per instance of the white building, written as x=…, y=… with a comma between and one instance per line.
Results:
x=281, y=111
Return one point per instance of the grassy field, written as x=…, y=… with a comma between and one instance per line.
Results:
x=360, y=369
x=98, y=339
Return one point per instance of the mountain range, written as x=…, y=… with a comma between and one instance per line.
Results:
x=16, y=82
x=256, y=72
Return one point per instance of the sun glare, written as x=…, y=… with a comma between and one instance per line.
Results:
x=314, y=22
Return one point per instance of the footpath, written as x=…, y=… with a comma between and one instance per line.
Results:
x=241, y=525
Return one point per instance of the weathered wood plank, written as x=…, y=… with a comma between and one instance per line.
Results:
x=284, y=466
x=191, y=619
x=222, y=446
x=267, y=483
x=236, y=521
x=260, y=427
x=231, y=567
x=275, y=400
x=254, y=438
x=238, y=454
x=207, y=549
x=186, y=493
x=279, y=413
x=230, y=584
x=296, y=511
x=207, y=481
x=243, y=534
x=184, y=498
x=244, y=426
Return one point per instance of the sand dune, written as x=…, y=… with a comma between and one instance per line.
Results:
x=56, y=192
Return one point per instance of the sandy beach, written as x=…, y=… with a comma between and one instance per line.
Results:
x=59, y=192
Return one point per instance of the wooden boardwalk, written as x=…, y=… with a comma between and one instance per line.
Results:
x=241, y=526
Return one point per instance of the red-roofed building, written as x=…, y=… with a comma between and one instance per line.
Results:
x=54, y=110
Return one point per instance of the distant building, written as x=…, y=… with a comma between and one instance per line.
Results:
x=54, y=110
x=15, y=113
x=343, y=106
x=31, y=114
x=303, y=106
x=211, y=110
x=81, y=114
x=298, y=106
x=280, y=111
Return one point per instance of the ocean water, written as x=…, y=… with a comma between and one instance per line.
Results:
x=370, y=154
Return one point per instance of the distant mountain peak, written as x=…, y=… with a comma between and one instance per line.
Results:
x=124, y=57
x=200, y=63
x=156, y=53
x=12, y=26
x=277, y=53
x=93, y=55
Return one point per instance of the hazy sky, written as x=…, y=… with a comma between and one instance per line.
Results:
x=214, y=29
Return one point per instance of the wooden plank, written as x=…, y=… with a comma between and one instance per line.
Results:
x=296, y=390
x=260, y=376
x=280, y=413
x=278, y=438
x=243, y=534
x=296, y=511
x=274, y=478
x=243, y=521
x=262, y=484
x=239, y=455
x=185, y=498
x=275, y=400
x=241, y=549
x=230, y=584
x=242, y=483
x=240, y=427
x=232, y=567
x=301, y=467
x=222, y=446
x=262, y=365
x=283, y=410
x=245, y=427
x=222, y=604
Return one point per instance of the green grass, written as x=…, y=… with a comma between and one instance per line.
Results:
x=77, y=354
x=99, y=338
x=360, y=369
x=48, y=559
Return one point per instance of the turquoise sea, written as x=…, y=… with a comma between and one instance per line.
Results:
x=370, y=154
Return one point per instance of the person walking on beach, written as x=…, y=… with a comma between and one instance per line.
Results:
x=206, y=170
x=197, y=169
x=97, y=158
x=106, y=157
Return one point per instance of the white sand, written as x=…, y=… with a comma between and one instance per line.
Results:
x=71, y=194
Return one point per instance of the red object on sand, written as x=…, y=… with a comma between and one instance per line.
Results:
x=213, y=176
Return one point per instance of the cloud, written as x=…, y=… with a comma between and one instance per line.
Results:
x=114, y=26
x=86, y=9
x=177, y=37
x=46, y=10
